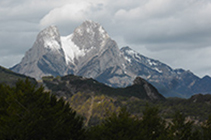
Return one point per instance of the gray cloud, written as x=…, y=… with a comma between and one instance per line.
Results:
x=175, y=32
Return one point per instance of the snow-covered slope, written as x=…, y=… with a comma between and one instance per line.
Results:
x=71, y=50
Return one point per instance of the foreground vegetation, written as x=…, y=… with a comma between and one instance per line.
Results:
x=99, y=104
x=30, y=113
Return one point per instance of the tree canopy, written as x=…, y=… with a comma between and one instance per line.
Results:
x=27, y=112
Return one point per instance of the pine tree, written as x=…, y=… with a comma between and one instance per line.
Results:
x=180, y=129
x=30, y=113
x=118, y=126
x=207, y=129
x=153, y=126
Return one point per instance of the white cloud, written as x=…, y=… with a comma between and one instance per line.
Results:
x=71, y=12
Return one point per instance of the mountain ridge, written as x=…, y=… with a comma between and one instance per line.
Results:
x=10, y=78
x=90, y=52
x=70, y=85
x=177, y=82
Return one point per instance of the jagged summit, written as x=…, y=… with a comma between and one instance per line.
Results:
x=88, y=38
x=51, y=31
x=139, y=81
x=151, y=91
x=50, y=38
x=89, y=34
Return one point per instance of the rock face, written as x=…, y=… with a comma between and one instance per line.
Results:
x=150, y=90
x=10, y=78
x=91, y=53
x=46, y=57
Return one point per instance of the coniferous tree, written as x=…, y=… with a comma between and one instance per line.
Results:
x=153, y=126
x=118, y=126
x=181, y=129
x=30, y=113
x=207, y=129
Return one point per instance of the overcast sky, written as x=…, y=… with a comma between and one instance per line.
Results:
x=176, y=32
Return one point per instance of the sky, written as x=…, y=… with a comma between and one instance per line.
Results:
x=175, y=32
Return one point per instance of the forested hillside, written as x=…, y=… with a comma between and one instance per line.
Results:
x=28, y=112
x=10, y=78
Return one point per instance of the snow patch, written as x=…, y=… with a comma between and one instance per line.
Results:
x=79, y=31
x=128, y=59
x=131, y=52
x=137, y=56
x=134, y=54
x=101, y=30
x=160, y=71
x=52, y=44
x=103, y=33
x=152, y=63
x=71, y=50
x=87, y=30
x=123, y=65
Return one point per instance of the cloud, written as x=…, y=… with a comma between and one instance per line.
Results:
x=161, y=22
x=161, y=29
x=71, y=12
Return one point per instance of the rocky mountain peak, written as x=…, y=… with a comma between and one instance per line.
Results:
x=49, y=32
x=150, y=90
x=206, y=77
x=126, y=48
x=139, y=81
x=49, y=38
x=89, y=34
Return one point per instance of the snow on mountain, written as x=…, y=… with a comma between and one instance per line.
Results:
x=50, y=37
x=170, y=82
x=141, y=65
x=71, y=50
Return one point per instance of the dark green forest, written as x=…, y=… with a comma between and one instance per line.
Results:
x=28, y=112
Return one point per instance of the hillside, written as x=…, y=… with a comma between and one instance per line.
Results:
x=10, y=78
x=93, y=100
x=69, y=85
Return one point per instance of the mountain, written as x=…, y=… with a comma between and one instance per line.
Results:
x=10, y=78
x=90, y=52
x=70, y=85
x=170, y=82
x=46, y=57
x=202, y=85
